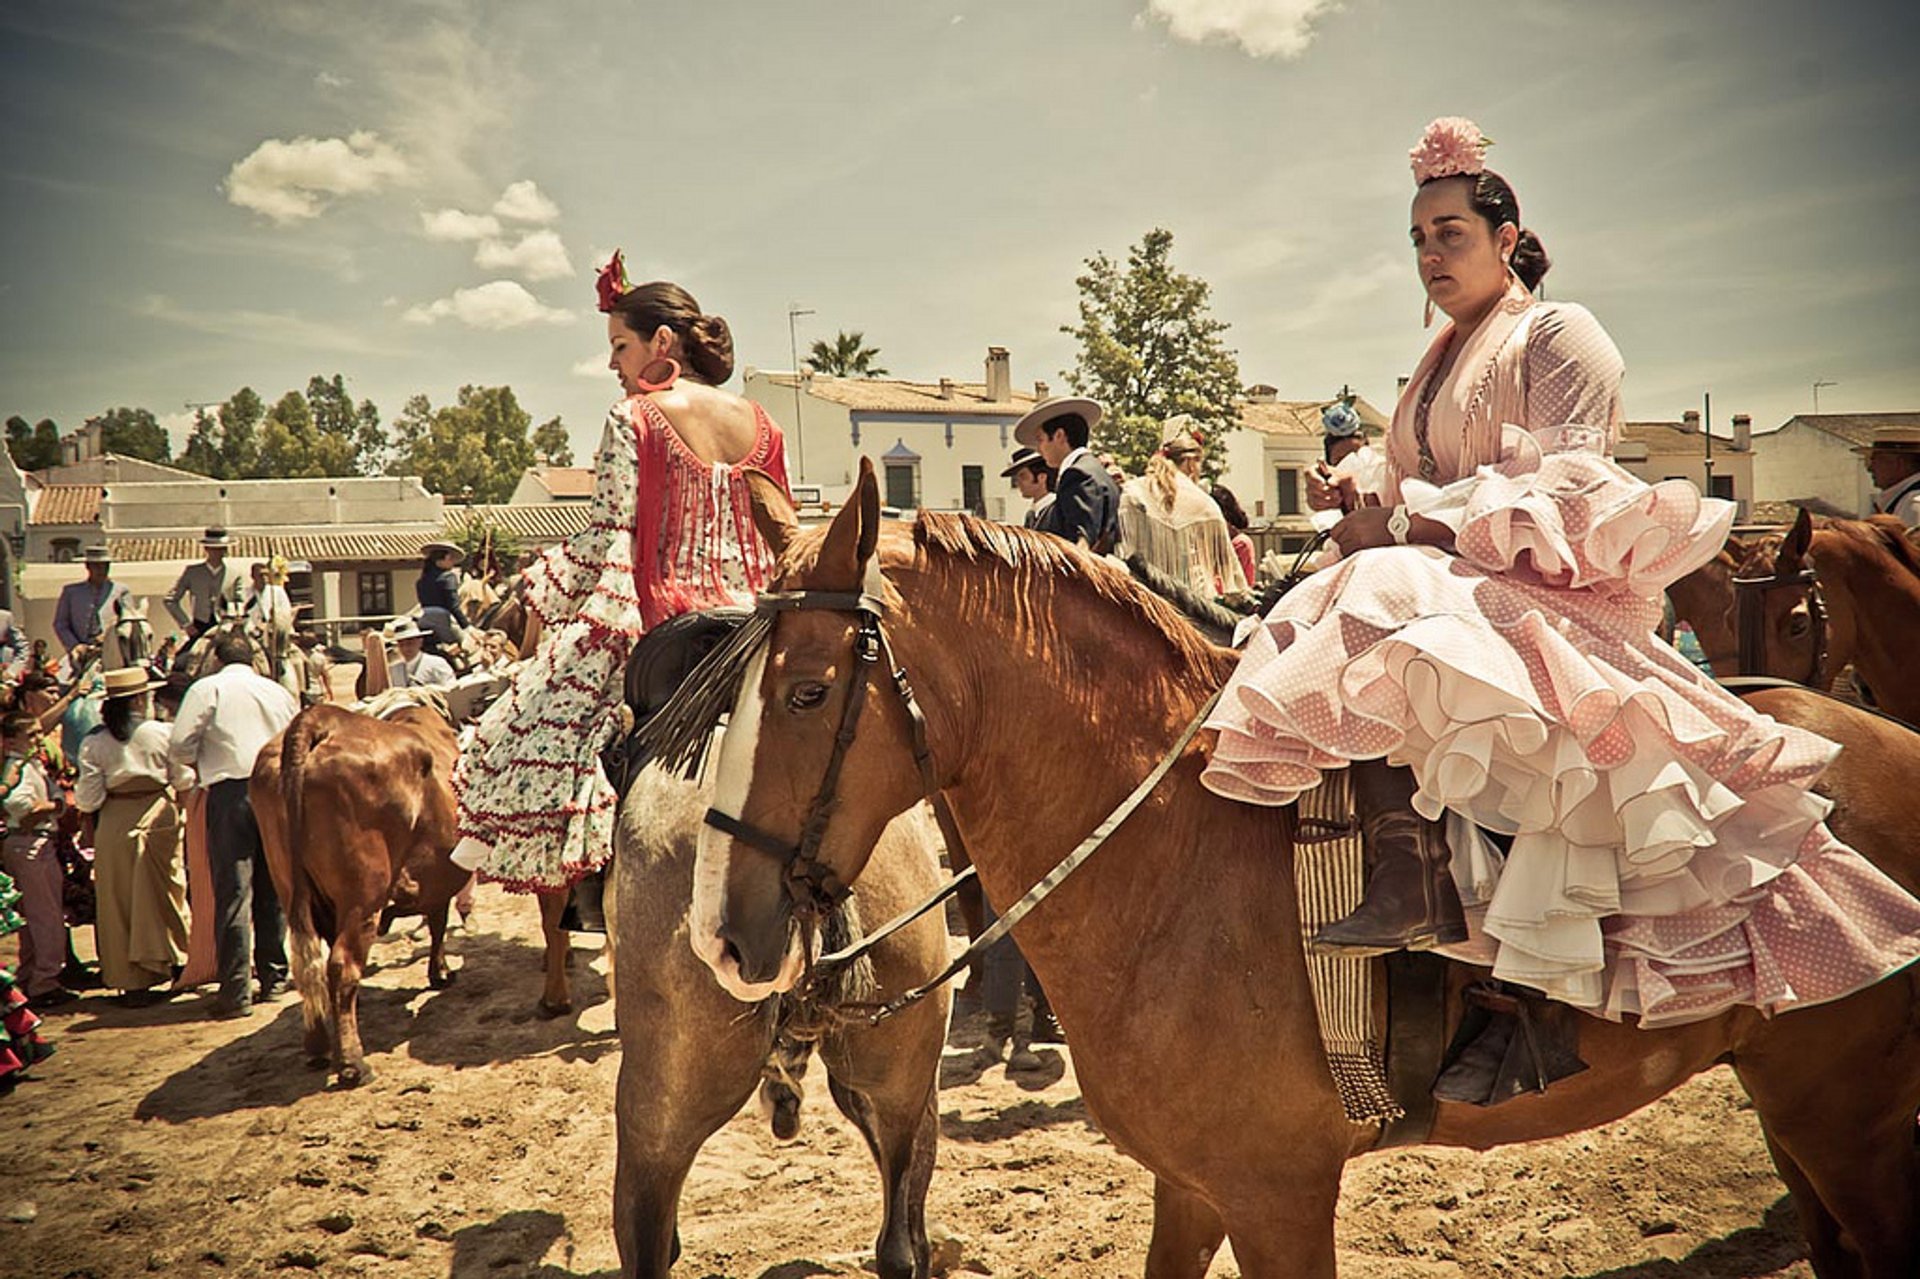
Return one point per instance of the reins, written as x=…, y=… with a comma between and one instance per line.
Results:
x=1750, y=620
x=812, y=886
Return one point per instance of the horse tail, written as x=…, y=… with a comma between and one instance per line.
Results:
x=307, y=917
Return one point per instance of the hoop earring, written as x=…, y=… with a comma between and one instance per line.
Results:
x=649, y=388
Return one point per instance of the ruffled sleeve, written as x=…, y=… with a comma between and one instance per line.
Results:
x=1572, y=373
x=1575, y=519
x=590, y=575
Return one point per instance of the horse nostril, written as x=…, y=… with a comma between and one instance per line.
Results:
x=731, y=952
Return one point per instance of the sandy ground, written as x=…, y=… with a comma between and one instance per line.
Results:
x=158, y=1142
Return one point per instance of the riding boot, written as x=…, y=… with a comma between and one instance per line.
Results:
x=1410, y=901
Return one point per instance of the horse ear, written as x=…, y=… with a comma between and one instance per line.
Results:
x=1793, y=550
x=772, y=510
x=853, y=534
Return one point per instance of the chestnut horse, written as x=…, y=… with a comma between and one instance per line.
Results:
x=1050, y=685
x=1868, y=575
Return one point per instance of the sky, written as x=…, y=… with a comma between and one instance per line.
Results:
x=415, y=193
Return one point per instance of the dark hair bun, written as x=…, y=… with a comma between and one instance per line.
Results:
x=1530, y=260
x=709, y=346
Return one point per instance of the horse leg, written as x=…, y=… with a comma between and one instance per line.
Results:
x=344, y=965
x=902, y=1141
x=1186, y=1233
x=439, y=976
x=1822, y=1232
x=1836, y=1088
x=646, y=1208
x=555, y=1001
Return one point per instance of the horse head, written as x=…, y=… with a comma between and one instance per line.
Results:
x=1780, y=611
x=817, y=707
x=133, y=631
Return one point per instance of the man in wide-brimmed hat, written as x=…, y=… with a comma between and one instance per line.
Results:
x=1086, y=501
x=1032, y=479
x=1893, y=459
x=414, y=666
x=211, y=587
x=88, y=609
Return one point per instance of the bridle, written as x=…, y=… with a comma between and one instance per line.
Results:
x=1750, y=620
x=812, y=887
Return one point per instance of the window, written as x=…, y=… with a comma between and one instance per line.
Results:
x=901, y=494
x=1721, y=486
x=376, y=594
x=973, y=489
x=66, y=550
x=1289, y=490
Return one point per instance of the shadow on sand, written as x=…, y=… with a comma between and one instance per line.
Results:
x=1755, y=1250
x=513, y=1243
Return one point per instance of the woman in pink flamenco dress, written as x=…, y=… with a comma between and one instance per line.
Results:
x=671, y=532
x=1481, y=655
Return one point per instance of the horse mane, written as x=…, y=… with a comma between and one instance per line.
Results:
x=1882, y=533
x=1032, y=554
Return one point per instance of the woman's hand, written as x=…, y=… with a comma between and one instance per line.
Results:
x=1367, y=527
x=1329, y=492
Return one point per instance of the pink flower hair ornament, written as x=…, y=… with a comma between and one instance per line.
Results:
x=1451, y=146
x=612, y=282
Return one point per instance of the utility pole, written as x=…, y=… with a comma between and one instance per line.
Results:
x=1817, y=384
x=1706, y=425
x=794, y=312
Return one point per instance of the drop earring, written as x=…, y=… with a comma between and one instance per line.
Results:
x=1427, y=323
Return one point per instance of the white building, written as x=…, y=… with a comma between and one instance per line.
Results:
x=938, y=445
x=1810, y=457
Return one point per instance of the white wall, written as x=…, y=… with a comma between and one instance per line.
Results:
x=155, y=509
x=1798, y=461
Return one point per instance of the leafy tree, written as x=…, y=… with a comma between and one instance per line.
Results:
x=226, y=444
x=202, y=454
x=551, y=447
x=33, y=448
x=1149, y=348
x=473, y=449
x=485, y=543
x=847, y=356
x=286, y=441
x=342, y=431
x=133, y=433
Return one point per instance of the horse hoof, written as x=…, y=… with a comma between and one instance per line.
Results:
x=354, y=1076
x=439, y=981
x=550, y=1011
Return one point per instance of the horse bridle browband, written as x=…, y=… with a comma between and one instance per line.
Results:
x=1750, y=620
x=814, y=889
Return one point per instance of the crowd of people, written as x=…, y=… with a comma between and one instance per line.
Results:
x=1492, y=579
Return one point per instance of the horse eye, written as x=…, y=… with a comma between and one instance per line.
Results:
x=1798, y=623
x=810, y=696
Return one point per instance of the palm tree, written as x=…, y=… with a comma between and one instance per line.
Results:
x=847, y=356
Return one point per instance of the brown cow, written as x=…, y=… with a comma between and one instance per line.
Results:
x=355, y=812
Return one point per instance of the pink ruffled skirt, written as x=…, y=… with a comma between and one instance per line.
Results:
x=1669, y=859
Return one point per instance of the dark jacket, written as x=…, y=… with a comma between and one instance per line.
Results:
x=1086, y=505
x=441, y=590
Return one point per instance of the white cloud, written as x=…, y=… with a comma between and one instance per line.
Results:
x=289, y=181
x=328, y=80
x=279, y=328
x=538, y=256
x=498, y=304
x=594, y=366
x=1264, y=28
x=522, y=202
x=452, y=224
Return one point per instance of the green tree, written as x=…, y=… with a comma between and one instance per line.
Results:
x=133, y=433
x=485, y=542
x=33, y=448
x=473, y=449
x=340, y=429
x=551, y=447
x=847, y=356
x=202, y=454
x=1149, y=348
x=240, y=419
x=286, y=440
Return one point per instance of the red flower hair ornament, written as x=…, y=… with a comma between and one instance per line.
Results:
x=612, y=282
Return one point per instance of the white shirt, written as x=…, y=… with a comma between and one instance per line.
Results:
x=30, y=794
x=108, y=764
x=271, y=607
x=425, y=671
x=225, y=719
x=1901, y=500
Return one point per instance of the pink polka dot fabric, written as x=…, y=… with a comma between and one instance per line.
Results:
x=1669, y=859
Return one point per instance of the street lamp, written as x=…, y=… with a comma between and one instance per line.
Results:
x=1816, y=393
x=794, y=312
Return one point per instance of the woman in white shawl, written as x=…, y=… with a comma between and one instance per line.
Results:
x=1169, y=520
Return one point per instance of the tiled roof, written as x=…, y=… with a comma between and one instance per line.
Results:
x=1854, y=428
x=564, y=481
x=1302, y=417
x=1671, y=439
x=319, y=548
x=68, y=504
x=542, y=522
x=892, y=395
